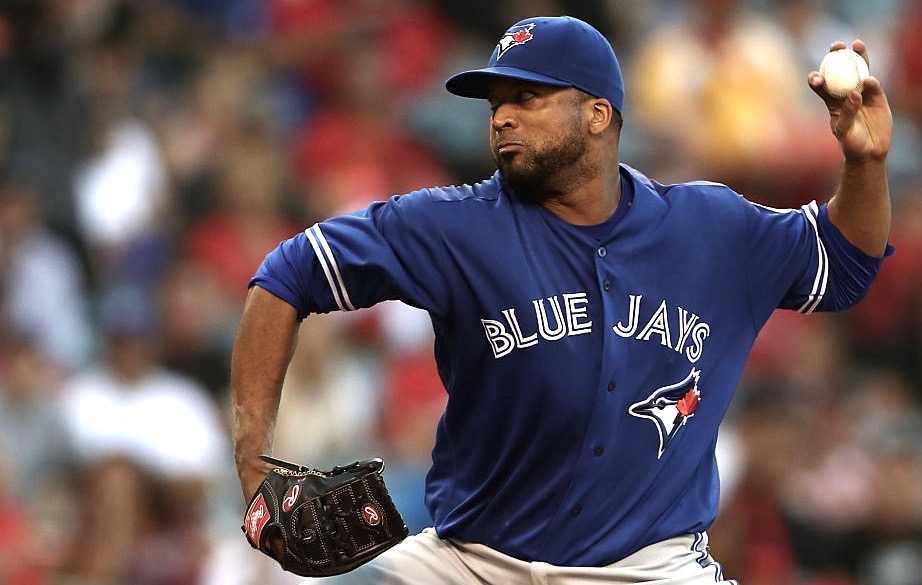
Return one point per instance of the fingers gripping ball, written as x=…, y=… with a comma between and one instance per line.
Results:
x=321, y=523
x=843, y=71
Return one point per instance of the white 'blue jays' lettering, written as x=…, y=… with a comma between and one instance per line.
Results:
x=573, y=319
x=658, y=327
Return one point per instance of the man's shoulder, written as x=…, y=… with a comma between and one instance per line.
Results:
x=486, y=190
x=667, y=189
x=692, y=196
x=451, y=204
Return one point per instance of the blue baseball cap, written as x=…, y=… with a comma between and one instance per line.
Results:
x=560, y=50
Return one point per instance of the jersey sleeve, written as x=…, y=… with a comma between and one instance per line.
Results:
x=801, y=259
x=354, y=261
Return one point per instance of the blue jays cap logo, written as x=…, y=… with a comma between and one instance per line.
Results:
x=517, y=35
x=670, y=407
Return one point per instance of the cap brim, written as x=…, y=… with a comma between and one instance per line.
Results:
x=476, y=82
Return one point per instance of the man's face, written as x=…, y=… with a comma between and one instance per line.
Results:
x=536, y=131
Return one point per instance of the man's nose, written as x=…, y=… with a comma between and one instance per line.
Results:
x=503, y=117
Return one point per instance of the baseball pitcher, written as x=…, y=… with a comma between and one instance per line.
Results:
x=591, y=327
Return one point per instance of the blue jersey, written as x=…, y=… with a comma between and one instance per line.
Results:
x=587, y=368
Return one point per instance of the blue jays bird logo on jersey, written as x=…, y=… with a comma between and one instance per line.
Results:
x=670, y=407
x=517, y=35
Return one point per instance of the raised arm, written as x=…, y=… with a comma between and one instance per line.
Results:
x=863, y=124
x=262, y=351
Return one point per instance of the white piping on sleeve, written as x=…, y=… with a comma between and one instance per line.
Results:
x=330, y=267
x=811, y=210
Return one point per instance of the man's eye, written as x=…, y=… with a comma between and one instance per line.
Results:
x=526, y=95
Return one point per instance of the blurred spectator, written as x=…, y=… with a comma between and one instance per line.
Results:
x=231, y=100
x=249, y=219
x=171, y=48
x=304, y=40
x=31, y=421
x=876, y=20
x=43, y=287
x=414, y=400
x=353, y=151
x=311, y=39
x=825, y=500
x=234, y=562
x=20, y=561
x=195, y=331
x=906, y=78
x=812, y=27
x=907, y=68
x=807, y=356
x=887, y=330
x=712, y=91
x=894, y=554
x=121, y=188
x=142, y=427
x=808, y=478
x=489, y=19
x=128, y=533
x=750, y=535
x=129, y=405
x=330, y=399
x=891, y=429
x=230, y=15
x=44, y=121
x=412, y=39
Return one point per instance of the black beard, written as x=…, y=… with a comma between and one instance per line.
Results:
x=531, y=178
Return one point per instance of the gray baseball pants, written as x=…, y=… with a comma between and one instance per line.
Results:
x=425, y=559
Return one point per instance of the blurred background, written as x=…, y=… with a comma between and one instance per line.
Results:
x=153, y=151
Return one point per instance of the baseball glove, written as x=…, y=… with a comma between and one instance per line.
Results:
x=329, y=522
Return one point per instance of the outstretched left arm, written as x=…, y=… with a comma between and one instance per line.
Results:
x=863, y=124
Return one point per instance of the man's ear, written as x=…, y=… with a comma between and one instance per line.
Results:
x=600, y=115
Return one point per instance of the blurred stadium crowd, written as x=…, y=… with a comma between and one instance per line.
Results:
x=153, y=151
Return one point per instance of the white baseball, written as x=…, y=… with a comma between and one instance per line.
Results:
x=843, y=70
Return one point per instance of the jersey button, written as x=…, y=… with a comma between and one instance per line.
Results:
x=602, y=252
x=611, y=386
x=575, y=511
x=598, y=450
x=606, y=285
